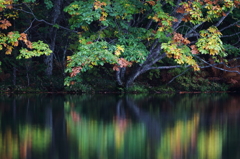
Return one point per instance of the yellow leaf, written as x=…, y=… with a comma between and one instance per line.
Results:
x=120, y=48
x=104, y=14
x=117, y=52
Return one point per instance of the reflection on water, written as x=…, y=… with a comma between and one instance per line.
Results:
x=203, y=126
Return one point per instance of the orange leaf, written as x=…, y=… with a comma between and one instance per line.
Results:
x=186, y=18
x=115, y=67
x=152, y=3
x=194, y=49
x=180, y=10
x=75, y=71
x=5, y=24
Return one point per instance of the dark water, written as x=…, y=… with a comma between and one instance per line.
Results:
x=200, y=126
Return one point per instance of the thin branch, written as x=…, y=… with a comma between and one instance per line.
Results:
x=193, y=29
x=149, y=24
x=164, y=67
x=230, y=25
x=227, y=36
x=41, y=20
x=143, y=18
x=222, y=19
x=213, y=65
x=177, y=76
x=29, y=26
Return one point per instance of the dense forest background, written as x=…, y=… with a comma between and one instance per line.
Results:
x=110, y=45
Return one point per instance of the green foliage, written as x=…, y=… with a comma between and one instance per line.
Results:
x=210, y=42
x=48, y=4
x=118, y=33
x=153, y=74
x=135, y=26
x=80, y=87
x=137, y=88
x=231, y=50
x=164, y=89
x=188, y=83
x=38, y=48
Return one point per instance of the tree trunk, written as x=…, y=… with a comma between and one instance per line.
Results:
x=133, y=76
x=52, y=34
x=14, y=75
x=49, y=62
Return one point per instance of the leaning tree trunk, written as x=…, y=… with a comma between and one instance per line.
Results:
x=52, y=34
x=154, y=56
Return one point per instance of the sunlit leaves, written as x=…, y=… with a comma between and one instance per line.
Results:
x=178, y=49
x=10, y=40
x=137, y=25
x=210, y=42
x=5, y=4
x=121, y=63
x=37, y=49
x=207, y=10
x=98, y=4
x=118, y=50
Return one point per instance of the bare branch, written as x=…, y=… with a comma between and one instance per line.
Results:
x=29, y=26
x=193, y=29
x=41, y=20
x=222, y=19
x=177, y=76
x=230, y=25
x=214, y=66
x=227, y=36
x=164, y=67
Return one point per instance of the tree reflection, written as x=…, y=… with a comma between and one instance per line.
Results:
x=18, y=145
x=136, y=132
x=115, y=127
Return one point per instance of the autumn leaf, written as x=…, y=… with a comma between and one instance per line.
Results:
x=15, y=43
x=98, y=5
x=9, y=50
x=119, y=49
x=186, y=18
x=194, y=49
x=68, y=58
x=5, y=24
x=116, y=67
x=155, y=18
x=121, y=63
x=75, y=71
x=233, y=81
x=89, y=42
x=152, y=3
x=180, y=10
x=124, y=63
x=179, y=38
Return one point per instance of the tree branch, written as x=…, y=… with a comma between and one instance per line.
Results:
x=164, y=67
x=177, y=76
x=230, y=25
x=193, y=29
x=41, y=20
x=227, y=36
x=213, y=65
x=222, y=19
x=29, y=26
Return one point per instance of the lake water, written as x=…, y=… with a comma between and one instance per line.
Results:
x=187, y=126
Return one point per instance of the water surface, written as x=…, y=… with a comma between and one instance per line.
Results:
x=198, y=126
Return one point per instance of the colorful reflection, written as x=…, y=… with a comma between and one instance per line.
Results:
x=111, y=140
x=113, y=127
x=19, y=144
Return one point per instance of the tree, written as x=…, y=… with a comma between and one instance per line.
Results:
x=10, y=39
x=141, y=34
